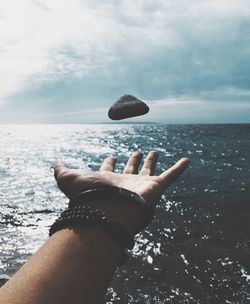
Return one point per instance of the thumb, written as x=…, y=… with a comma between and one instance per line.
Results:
x=174, y=172
x=59, y=170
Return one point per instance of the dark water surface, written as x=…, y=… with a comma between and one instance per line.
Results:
x=197, y=249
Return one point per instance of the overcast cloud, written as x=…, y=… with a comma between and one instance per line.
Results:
x=67, y=61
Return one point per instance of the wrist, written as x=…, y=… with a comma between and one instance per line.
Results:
x=122, y=206
x=119, y=210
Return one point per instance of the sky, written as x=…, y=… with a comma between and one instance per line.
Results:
x=68, y=61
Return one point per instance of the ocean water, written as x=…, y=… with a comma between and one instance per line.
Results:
x=197, y=249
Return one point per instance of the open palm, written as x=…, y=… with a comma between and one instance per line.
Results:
x=143, y=183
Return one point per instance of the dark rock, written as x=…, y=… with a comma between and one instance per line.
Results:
x=127, y=106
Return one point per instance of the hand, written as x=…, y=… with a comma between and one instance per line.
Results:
x=143, y=183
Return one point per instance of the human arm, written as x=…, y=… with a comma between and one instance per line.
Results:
x=76, y=266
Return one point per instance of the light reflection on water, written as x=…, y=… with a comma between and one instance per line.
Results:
x=27, y=185
x=191, y=239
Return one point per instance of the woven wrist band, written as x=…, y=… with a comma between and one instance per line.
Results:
x=86, y=216
x=110, y=191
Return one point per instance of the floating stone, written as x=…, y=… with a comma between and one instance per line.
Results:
x=127, y=106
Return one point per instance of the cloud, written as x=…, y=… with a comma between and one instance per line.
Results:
x=198, y=111
x=36, y=37
x=85, y=53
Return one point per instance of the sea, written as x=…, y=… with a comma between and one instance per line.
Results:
x=197, y=248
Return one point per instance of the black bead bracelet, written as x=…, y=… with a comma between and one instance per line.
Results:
x=111, y=191
x=86, y=216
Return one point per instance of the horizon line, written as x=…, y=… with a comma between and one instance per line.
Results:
x=128, y=123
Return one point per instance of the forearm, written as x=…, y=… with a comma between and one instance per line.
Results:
x=73, y=266
x=77, y=266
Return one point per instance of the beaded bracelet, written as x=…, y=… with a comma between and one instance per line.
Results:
x=86, y=216
x=111, y=191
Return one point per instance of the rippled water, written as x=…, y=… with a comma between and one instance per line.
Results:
x=197, y=250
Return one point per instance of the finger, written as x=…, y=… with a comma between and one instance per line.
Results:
x=172, y=173
x=148, y=167
x=59, y=170
x=133, y=163
x=108, y=164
